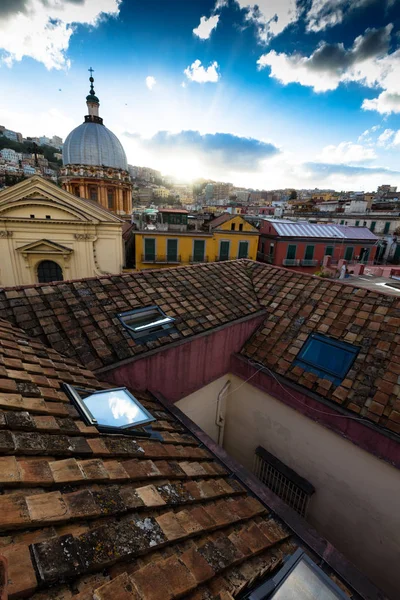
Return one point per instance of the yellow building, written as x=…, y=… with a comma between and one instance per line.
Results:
x=47, y=234
x=225, y=238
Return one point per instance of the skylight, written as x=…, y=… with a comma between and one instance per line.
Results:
x=146, y=323
x=326, y=357
x=299, y=579
x=109, y=409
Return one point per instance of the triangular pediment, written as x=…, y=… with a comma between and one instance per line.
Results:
x=44, y=247
x=37, y=190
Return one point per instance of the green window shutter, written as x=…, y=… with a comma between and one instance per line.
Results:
x=149, y=249
x=291, y=252
x=342, y=222
x=329, y=251
x=365, y=257
x=309, y=255
x=224, y=250
x=172, y=250
x=349, y=253
x=373, y=225
x=243, y=250
x=198, y=250
x=386, y=228
x=357, y=223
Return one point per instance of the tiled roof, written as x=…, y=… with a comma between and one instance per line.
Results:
x=298, y=304
x=78, y=318
x=314, y=230
x=90, y=516
x=221, y=219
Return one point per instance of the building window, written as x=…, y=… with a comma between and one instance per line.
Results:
x=146, y=323
x=48, y=270
x=386, y=228
x=93, y=193
x=309, y=254
x=110, y=199
x=357, y=223
x=109, y=409
x=233, y=226
x=198, y=250
x=342, y=222
x=329, y=251
x=373, y=225
x=364, y=255
x=283, y=481
x=224, y=248
x=243, y=250
x=326, y=357
x=348, y=255
x=291, y=252
x=172, y=250
x=364, y=223
x=240, y=226
x=271, y=249
x=299, y=578
x=48, y=217
x=32, y=216
x=150, y=249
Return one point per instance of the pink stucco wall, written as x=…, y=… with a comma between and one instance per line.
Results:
x=178, y=371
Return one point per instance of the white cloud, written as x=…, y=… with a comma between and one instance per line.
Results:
x=367, y=62
x=328, y=13
x=385, y=137
x=346, y=153
x=365, y=137
x=196, y=72
x=41, y=29
x=294, y=69
x=204, y=30
x=270, y=17
x=396, y=139
x=150, y=82
x=385, y=103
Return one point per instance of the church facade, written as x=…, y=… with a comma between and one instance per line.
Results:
x=94, y=162
x=47, y=234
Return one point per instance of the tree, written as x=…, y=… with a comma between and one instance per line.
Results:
x=293, y=195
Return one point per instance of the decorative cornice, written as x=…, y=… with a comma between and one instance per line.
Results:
x=84, y=236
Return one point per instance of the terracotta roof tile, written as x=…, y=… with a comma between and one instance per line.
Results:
x=89, y=515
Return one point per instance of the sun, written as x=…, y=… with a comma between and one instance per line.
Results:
x=183, y=169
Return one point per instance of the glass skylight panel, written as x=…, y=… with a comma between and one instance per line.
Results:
x=146, y=321
x=326, y=357
x=114, y=408
x=304, y=583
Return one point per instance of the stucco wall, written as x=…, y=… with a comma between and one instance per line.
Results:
x=357, y=495
x=178, y=371
x=95, y=249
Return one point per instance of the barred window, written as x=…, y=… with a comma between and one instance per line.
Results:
x=283, y=481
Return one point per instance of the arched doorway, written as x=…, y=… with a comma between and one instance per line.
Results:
x=48, y=270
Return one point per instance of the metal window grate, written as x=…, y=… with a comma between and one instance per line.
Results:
x=283, y=481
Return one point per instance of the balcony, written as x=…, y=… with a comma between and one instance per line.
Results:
x=265, y=258
x=308, y=262
x=166, y=260
x=291, y=262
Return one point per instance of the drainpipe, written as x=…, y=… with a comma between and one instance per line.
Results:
x=220, y=413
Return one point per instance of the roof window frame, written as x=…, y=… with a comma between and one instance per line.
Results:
x=312, y=367
x=74, y=394
x=269, y=589
x=156, y=328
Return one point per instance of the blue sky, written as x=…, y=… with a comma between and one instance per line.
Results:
x=274, y=94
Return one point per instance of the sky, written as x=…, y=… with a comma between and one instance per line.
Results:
x=273, y=94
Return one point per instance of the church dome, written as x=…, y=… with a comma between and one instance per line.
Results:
x=93, y=144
